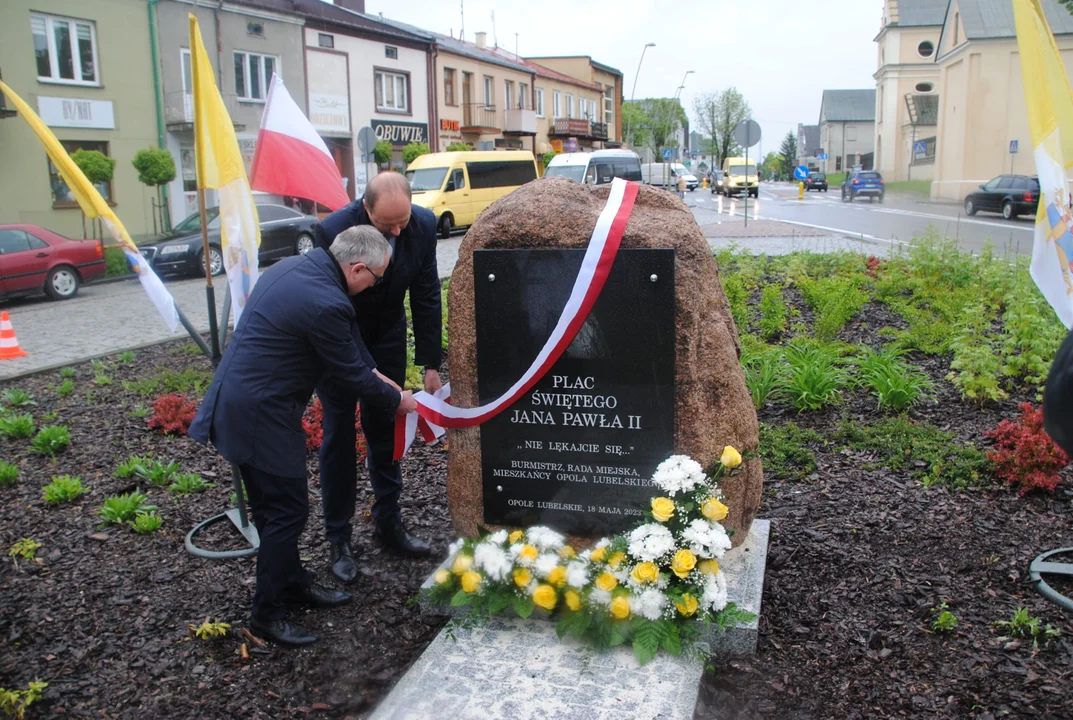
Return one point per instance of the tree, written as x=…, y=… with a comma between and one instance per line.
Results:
x=98, y=169
x=382, y=152
x=459, y=147
x=718, y=115
x=705, y=108
x=654, y=122
x=788, y=152
x=413, y=151
x=156, y=168
x=548, y=156
x=635, y=120
x=772, y=163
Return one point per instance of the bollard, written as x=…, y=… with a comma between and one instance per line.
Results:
x=756, y=209
x=733, y=205
x=720, y=210
x=801, y=191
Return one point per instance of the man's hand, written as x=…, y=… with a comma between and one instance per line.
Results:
x=386, y=379
x=432, y=381
x=407, y=404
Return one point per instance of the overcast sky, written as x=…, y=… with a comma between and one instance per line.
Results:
x=781, y=54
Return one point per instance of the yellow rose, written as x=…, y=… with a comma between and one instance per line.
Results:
x=645, y=572
x=567, y=552
x=731, y=458
x=471, y=581
x=708, y=567
x=683, y=562
x=607, y=581
x=515, y=536
x=528, y=552
x=714, y=510
x=662, y=509
x=620, y=607
x=598, y=554
x=573, y=600
x=615, y=560
x=557, y=576
x=687, y=605
x=461, y=564
x=522, y=577
x=544, y=596
x=442, y=576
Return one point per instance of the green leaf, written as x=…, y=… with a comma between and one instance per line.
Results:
x=643, y=651
x=498, y=603
x=672, y=642
x=461, y=598
x=523, y=606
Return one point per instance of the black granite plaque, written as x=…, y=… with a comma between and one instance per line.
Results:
x=577, y=451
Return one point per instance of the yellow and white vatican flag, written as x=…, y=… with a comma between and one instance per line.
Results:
x=1049, y=99
x=95, y=206
x=220, y=167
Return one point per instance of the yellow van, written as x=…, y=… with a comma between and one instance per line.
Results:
x=740, y=176
x=457, y=186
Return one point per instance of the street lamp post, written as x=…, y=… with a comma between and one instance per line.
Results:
x=633, y=91
x=677, y=93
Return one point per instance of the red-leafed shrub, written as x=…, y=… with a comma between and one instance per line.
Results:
x=313, y=424
x=1025, y=455
x=172, y=413
x=874, y=266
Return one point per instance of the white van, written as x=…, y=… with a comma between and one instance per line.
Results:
x=667, y=174
x=596, y=168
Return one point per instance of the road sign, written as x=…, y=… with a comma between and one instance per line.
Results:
x=1013, y=147
x=747, y=133
x=801, y=172
x=366, y=139
x=920, y=147
x=821, y=156
x=668, y=153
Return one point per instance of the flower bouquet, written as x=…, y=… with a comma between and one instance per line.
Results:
x=656, y=586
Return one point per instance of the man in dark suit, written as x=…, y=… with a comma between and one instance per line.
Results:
x=297, y=329
x=411, y=231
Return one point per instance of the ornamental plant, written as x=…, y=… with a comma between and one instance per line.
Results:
x=1024, y=455
x=814, y=379
x=13, y=703
x=17, y=426
x=119, y=509
x=895, y=384
x=157, y=473
x=413, y=151
x=50, y=440
x=62, y=489
x=9, y=473
x=146, y=523
x=313, y=424
x=172, y=414
x=188, y=484
x=16, y=397
x=648, y=587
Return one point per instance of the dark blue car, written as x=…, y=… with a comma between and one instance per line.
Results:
x=863, y=183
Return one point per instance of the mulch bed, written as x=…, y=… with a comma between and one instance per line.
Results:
x=858, y=558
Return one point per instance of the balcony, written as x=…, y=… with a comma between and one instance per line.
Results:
x=479, y=118
x=519, y=121
x=575, y=127
x=179, y=111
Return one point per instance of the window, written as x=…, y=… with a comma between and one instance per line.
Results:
x=556, y=104
x=66, y=50
x=609, y=104
x=851, y=133
x=458, y=179
x=449, y=86
x=500, y=173
x=255, y=29
x=391, y=52
x=253, y=72
x=838, y=163
x=391, y=91
x=540, y=102
x=489, y=93
x=325, y=40
x=569, y=105
x=61, y=194
x=925, y=87
x=523, y=95
x=272, y=213
x=926, y=49
x=1006, y=183
x=508, y=94
x=188, y=77
x=13, y=241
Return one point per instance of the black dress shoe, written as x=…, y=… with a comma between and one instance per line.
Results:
x=344, y=566
x=283, y=632
x=319, y=596
x=396, y=536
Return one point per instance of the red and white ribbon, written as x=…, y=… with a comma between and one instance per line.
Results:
x=434, y=412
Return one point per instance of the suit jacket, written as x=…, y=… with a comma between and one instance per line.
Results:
x=380, y=312
x=297, y=329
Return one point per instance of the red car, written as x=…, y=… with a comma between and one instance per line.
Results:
x=33, y=260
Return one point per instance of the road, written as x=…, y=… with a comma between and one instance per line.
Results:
x=898, y=219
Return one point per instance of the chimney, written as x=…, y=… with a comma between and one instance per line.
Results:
x=357, y=6
x=481, y=36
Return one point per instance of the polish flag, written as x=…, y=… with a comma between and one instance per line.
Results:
x=291, y=159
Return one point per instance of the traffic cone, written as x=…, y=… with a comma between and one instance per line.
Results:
x=9, y=346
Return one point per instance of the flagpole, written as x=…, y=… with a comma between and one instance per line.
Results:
x=210, y=293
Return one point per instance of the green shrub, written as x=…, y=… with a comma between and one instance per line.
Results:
x=9, y=473
x=50, y=440
x=763, y=377
x=146, y=523
x=382, y=152
x=773, y=312
x=102, y=380
x=942, y=619
x=895, y=384
x=14, y=703
x=67, y=372
x=157, y=473
x=134, y=465
x=784, y=449
x=188, y=382
x=65, y=388
x=814, y=379
x=126, y=357
x=115, y=261
x=835, y=300
x=119, y=509
x=465, y=147
x=1031, y=334
x=17, y=426
x=1024, y=625
x=738, y=297
x=976, y=366
x=62, y=489
x=188, y=484
x=17, y=398
x=413, y=151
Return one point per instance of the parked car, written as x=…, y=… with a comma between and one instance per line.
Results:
x=716, y=178
x=1011, y=195
x=666, y=175
x=284, y=232
x=816, y=181
x=34, y=260
x=863, y=183
x=596, y=168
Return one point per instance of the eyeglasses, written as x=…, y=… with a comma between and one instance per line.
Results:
x=377, y=279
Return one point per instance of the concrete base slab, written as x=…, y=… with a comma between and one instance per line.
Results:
x=519, y=669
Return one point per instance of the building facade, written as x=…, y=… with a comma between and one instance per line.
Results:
x=608, y=83
x=847, y=129
x=983, y=123
x=86, y=69
x=808, y=146
x=907, y=95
